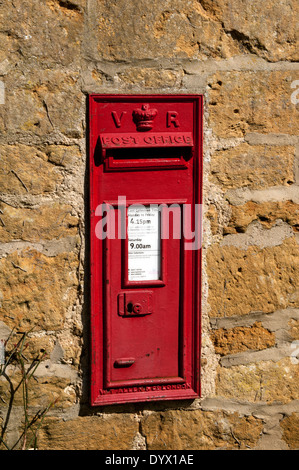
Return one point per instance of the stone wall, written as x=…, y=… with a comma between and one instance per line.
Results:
x=241, y=55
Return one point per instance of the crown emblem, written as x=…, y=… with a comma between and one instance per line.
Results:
x=144, y=117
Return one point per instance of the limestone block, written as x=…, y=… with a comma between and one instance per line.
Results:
x=25, y=169
x=169, y=29
x=198, y=430
x=66, y=156
x=267, y=29
x=197, y=29
x=69, y=347
x=40, y=102
x=244, y=281
x=266, y=381
x=294, y=329
x=238, y=339
x=290, y=428
x=252, y=101
x=36, y=290
x=43, y=33
x=51, y=221
x=107, y=432
x=48, y=222
x=253, y=166
x=42, y=391
x=267, y=213
x=150, y=77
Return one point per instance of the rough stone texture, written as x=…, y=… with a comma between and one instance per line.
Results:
x=25, y=169
x=266, y=213
x=48, y=222
x=263, y=29
x=106, y=432
x=244, y=281
x=52, y=43
x=52, y=100
x=253, y=166
x=252, y=101
x=294, y=329
x=230, y=341
x=242, y=57
x=197, y=430
x=151, y=78
x=290, y=427
x=172, y=30
x=239, y=217
x=63, y=156
x=197, y=29
x=266, y=381
x=43, y=391
x=37, y=290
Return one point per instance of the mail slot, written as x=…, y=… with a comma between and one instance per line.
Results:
x=145, y=243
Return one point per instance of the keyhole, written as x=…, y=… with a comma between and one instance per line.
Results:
x=130, y=307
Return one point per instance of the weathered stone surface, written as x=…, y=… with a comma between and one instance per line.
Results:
x=244, y=281
x=25, y=169
x=66, y=156
x=171, y=29
x=266, y=381
x=47, y=383
x=290, y=428
x=47, y=33
x=266, y=213
x=238, y=339
x=41, y=102
x=253, y=166
x=58, y=347
x=266, y=29
x=68, y=348
x=48, y=222
x=197, y=29
x=151, y=78
x=107, y=432
x=213, y=216
x=252, y=101
x=37, y=290
x=198, y=430
x=42, y=391
x=294, y=329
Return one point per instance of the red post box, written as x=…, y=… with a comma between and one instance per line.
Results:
x=146, y=190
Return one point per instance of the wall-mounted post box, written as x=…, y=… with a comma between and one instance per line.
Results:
x=145, y=187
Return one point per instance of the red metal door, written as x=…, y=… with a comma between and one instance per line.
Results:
x=145, y=273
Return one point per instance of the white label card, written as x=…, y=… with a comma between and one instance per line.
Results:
x=144, y=243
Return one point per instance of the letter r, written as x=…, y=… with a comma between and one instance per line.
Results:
x=173, y=118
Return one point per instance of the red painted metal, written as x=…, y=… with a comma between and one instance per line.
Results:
x=144, y=149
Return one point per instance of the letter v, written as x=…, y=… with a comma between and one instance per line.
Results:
x=116, y=119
